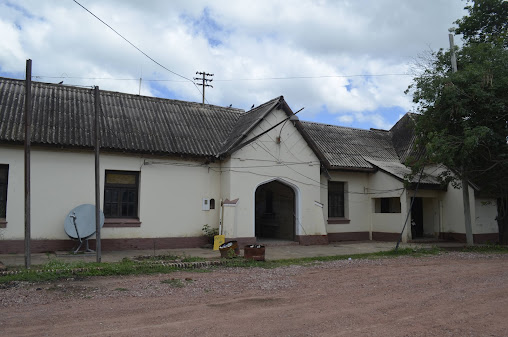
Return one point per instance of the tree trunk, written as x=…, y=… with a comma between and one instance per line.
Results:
x=467, y=212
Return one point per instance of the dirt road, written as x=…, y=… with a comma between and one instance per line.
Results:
x=455, y=294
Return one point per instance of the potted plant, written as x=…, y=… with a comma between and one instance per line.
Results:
x=254, y=252
x=210, y=233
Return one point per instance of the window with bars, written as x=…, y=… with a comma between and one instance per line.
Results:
x=121, y=190
x=4, y=177
x=387, y=205
x=336, y=199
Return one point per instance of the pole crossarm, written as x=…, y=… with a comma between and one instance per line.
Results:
x=204, y=80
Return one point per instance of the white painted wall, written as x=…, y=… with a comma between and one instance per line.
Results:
x=170, y=193
x=486, y=212
x=483, y=211
x=291, y=162
x=453, y=210
x=430, y=216
x=356, y=202
x=383, y=185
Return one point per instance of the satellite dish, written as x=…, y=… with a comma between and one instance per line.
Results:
x=80, y=223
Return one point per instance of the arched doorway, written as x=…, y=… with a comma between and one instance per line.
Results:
x=275, y=211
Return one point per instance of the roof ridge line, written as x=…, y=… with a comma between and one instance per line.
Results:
x=340, y=126
x=113, y=93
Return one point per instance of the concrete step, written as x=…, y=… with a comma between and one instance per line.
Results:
x=267, y=242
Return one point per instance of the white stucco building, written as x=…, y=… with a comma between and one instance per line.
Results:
x=166, y=165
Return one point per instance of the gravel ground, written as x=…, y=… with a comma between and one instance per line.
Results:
x=453, y=294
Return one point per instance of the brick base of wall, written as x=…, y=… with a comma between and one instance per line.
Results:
x=381, y=236
x=351, y=236
x=309, y=240
x=42, y=246
x=477, y=238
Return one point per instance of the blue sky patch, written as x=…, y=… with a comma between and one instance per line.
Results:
x=206, y=26
x=349, y=85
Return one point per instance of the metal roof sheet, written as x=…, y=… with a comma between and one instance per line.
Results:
x=347, y=147
x=64, y=115
x=401, y=171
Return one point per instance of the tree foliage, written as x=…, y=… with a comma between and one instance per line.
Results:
x=463, y=116
x=487, y=22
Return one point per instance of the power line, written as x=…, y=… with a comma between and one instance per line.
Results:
x=221, y=80
x=307, y=77
x=142, y=52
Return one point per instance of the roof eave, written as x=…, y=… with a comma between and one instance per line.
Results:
x=353, y=169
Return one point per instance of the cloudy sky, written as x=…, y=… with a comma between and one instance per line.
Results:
x=345, y=61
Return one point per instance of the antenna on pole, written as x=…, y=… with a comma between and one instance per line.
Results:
x=204, y=81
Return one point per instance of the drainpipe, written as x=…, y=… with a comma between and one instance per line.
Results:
x=220, y=217
x=440, y=218
x=372, y=209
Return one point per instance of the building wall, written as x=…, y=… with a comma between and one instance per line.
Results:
x=170, y=193
x=291, y=162
x=431, y=217
x=356, y=201
x=453, y=210
x=383, y=185
x=486, y=213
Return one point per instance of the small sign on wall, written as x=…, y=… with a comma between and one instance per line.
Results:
x=206, y=204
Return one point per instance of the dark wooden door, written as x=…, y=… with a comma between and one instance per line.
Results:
x=417, y=218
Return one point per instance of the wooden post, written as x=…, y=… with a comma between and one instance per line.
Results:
x=453, y=58
x=97, y=176
x=204, y=87
x=28, y=133
x=467, y=212
x=203, y=80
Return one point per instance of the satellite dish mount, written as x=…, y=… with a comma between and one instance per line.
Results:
x=80, y=225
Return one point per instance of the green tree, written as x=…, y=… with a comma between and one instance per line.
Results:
x=463, y=120
x=487, y=22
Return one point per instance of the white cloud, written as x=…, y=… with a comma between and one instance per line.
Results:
x=234, y=40
x=346, y=119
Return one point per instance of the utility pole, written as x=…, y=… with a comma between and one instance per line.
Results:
x=203, y=80
x=452, y=53
x=28, y=136
x=465, y=183
x=98, y=248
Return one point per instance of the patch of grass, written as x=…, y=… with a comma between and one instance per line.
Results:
x=164, y=257
x=193, y=259
x=416, y=252
x=56, y=270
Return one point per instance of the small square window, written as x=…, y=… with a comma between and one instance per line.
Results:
x=121, y=192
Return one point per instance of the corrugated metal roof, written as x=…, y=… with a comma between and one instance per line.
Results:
x=401, y=171
x=403, y=137
x=348, y=147
x=64, y=115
